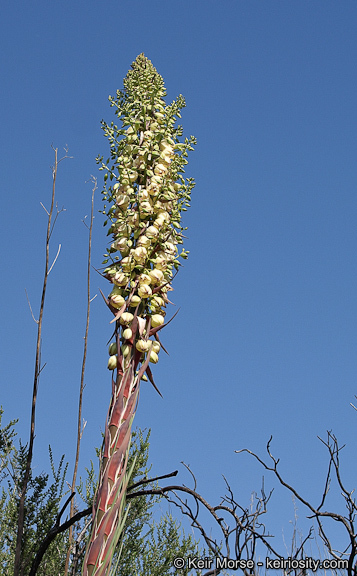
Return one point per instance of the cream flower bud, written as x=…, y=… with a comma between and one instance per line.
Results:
x=162, y=217
x=133, y=175
x=161, y=262
x=144, y=377
x=144, y=279
x=166, y=143
x=166, y=160
x=116, y=300
x=157, y=180
x=124, y=229
x=133, y=219
x=143, y=195
x=157, y=301
x=160, y=169
x=123, y=201
x=122, y=244
x=159, y=206
x=127, y=333
x=153, y=189
x=140, y=253
x=153, y=357
x=142, y=345
x=152, y=232
x=157, y=320
x=113, y=349
x=143, y=241
x=112, y=362
x=156, y=276
x=125, y=348
x=170, y=247
x=127, y=263
x=146, y=207
x=159, y=116
x=135, y=301
x=155, y=346
x=120, y=279
x=144, y=291
x=126, y=318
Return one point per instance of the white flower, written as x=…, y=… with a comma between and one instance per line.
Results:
x=161, y=262
x=127, y=333
x=153, y=357
x=144, y=291
x=135, y=301
x=113, y=349
x=123, y=201
x=157, y=320
x=133, y=175
x=125, y=348
x=170, y=248
x=146, y=207
x=160, y=169
x=116, y=300
x=156, y=275
x=162, y=217
x=123, y=229
x=157, y=301
x=152, y=232
x=120, y=279
x=165, y=159
x=122, y=244
x=127, y=263
x=140, y=253
x=133, y=218
x=126, y=318
x=144, y=279
x=143, y=195
x=156, y=347
x=143, y=241
x=142, y=345
x=166, y=143
x=112, y=362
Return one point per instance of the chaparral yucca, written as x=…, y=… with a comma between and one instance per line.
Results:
x=144, y=194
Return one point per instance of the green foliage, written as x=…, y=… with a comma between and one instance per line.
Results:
x=148, y=547
x=41, y=507
x=156, y=549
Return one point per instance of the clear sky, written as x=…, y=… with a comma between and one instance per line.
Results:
x=266, y=338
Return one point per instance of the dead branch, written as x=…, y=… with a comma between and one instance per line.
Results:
x=317, y=512
x=81, y=388
x=21, y=513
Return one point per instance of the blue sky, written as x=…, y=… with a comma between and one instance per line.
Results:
x=265, y=340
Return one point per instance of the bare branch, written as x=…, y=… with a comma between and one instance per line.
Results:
x=47, y=212
x=54, y=262
x=28, y=301
x=20, y=525
x=81, y=388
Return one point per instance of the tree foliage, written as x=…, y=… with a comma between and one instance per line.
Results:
x=148, y=546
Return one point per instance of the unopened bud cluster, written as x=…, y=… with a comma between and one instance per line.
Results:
x=144, y=196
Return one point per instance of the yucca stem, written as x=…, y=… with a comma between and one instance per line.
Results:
x=112, y=479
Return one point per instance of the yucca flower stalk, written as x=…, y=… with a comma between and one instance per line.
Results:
x=144, y=194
